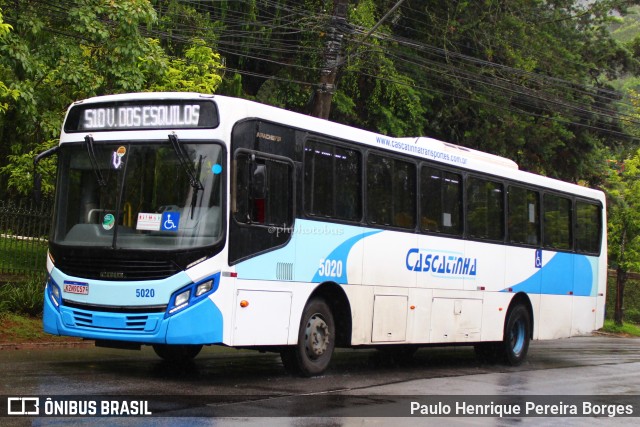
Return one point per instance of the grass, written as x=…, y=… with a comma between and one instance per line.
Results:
x=25, y=297
x=627, y=329
x=20, y=329
x=23, y=255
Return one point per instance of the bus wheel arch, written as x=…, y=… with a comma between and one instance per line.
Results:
x=522, y=298
x=518, y=330
x=517, y=333
x=323, y=325
x=337, y=300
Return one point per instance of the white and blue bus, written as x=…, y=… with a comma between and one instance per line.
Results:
x=184, y=220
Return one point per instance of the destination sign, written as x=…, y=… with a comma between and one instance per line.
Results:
x=183, y=114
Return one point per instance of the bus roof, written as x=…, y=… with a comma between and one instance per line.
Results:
x=233, y=109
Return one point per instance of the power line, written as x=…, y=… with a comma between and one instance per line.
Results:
x=288, y=27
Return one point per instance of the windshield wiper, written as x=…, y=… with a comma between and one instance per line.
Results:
x=88, y=140
x=185, y=162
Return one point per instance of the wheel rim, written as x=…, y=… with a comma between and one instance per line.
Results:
x=316, y=337
x=517, y=337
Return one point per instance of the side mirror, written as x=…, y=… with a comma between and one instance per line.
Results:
x=37, y=176
x=37, y=187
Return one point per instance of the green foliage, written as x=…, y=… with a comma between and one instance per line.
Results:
x=19, y=170
x=199, y=71
x=526, y=79
x=626, y=328
x=623, y=198
x=5, y=92
x=626, y=28
x=25, y=298
x=631, y=300
x=391, y=104
x=95, y=48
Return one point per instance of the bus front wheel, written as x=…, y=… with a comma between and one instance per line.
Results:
x=177, y=353
x=316, y=341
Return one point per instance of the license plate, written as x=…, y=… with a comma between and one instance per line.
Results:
x=76, y=288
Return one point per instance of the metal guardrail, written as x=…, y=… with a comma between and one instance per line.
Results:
x=24, y=230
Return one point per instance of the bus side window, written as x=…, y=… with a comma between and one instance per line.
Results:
x=440, y=201
x=391, y=191
x=523, y=219
x=588, y=227
x=485, y=209
x=332, y=181
x=263, y=190
x=557, y=222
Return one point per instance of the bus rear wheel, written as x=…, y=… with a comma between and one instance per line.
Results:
x=517, y=333
x=512, y=350
x=177, y=353
x=316, y=341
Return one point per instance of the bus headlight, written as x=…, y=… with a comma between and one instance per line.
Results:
x=192, y=294
x=183, y=297
x=54, y=293
x=203, y=288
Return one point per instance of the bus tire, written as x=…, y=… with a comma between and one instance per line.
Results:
x=316, y=341
x=177, y=353
x=517, y=334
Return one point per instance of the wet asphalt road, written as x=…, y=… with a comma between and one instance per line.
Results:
x=246, y=385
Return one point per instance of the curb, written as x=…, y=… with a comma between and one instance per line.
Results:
x=611, y=334
x=46, y=345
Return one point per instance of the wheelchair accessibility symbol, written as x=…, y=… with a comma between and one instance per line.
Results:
x=170, y=221
x=538, y=258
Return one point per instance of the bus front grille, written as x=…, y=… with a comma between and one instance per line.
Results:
x=116, y=269
x=140, y=323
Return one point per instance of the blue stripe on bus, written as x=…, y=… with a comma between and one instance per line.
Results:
x=564, y=274
x=341, y=253
x=200, y=324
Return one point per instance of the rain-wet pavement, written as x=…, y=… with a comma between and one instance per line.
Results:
x=245, y=386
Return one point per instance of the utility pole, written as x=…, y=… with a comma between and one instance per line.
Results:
x=327, y=86
x=333, y=47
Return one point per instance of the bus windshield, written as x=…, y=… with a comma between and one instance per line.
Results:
x=151, y=196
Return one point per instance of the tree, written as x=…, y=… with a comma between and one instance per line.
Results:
x=623, y=196
x=199, y=71
x=372, y=92
x=519, y=78
x=623, y=199
x=5, y=92
x=95, y=47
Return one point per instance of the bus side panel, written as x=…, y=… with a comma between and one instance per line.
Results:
x=385, y=269
x=224, y=299
x=601, y=292
x=265, y=312
x=385, y=260
x=584, y=319
x=419, y=321
x=585, y=298
x=489, y=272
x=523, y=274
x=361, y=302
x=494, y=311
x=556, y=302
x=427, y=261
